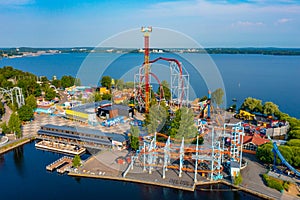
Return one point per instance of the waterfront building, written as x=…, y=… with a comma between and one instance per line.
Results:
x=83, y=137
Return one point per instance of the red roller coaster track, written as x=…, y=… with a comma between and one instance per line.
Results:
x=180, y=73
x=158, y=81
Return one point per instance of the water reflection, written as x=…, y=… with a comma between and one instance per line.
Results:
x=1, y=160
x=51, y=185
x=19, y=160
x=77, y=179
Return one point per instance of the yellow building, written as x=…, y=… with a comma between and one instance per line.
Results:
x=104, y=90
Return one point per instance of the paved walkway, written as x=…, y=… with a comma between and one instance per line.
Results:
x=7, y=113
x=31, y=128
x=105, y=163
x=252, y=179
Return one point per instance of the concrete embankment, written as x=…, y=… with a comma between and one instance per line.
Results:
x=130, y=180
x=10, y=146
x=191, y=189
x=246, y=190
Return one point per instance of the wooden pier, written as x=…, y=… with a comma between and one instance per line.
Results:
x=62, y=165
x=64, y=168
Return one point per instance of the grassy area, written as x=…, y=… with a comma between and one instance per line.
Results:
x=274, y=183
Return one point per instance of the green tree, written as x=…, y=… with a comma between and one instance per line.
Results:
x=287, y=153
x=56, y=83
x=44, y=79
x=129, y=85
x=67, y=81
x=157, y=117
x=264, y=153
x=5, y=129
x=97, y=97
x=252, y=105
x=166, y=90
x=14, y=124
x=134, y=131
x=50, y=94
x=106, y=82
x=217, y=96
x=238, y=179
x=296, y=155
x=134, y=143
x=7, y=84
x=2, y=109
x=175, y=124
x=30, y=101
x=167, y=123
x=106, y=96
x=94, y=97
x=187, y=128
x=76, y=161
x=294, y=134
x=296, y=128
x=29, y=87
x=294, y=142
x=270, y=108
x=134, y=137
x=203, y=98
x=25, y=113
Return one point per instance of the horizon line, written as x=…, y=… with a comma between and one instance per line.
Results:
x=233, y=47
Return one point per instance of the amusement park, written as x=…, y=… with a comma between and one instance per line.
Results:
x=161, y=138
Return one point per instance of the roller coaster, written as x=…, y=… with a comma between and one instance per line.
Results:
x=179, y=85
x=276, y=153
x=175, y=154
x=15, y=94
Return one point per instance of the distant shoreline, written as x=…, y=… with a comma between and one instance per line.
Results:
x=27, y=51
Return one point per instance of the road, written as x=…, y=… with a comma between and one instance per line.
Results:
x=252, y=179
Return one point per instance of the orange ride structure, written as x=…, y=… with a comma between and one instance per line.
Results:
x=179, y=85
x=205, y=160
x=146, y=31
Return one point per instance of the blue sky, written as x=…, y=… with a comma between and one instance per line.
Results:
x=212, y=23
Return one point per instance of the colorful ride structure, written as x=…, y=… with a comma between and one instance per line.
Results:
x=205, y=160
x=236, y=142
x=204, y=108
x=179, y=85
x=244, y=115
x=15, y=94
x=276, y=153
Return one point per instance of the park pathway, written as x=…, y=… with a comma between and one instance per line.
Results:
x=7, y=113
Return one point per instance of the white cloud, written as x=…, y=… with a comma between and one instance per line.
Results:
x=247, y=23
x=283, y=20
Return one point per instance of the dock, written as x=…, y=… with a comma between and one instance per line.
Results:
x=59, y=147
x=64, y=168
x=62, y=165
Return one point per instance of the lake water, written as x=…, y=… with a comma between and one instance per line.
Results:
x=23, y=175
x=266, y=77
x=22, y=171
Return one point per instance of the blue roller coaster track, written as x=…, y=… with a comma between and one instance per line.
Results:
x=283, y=161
